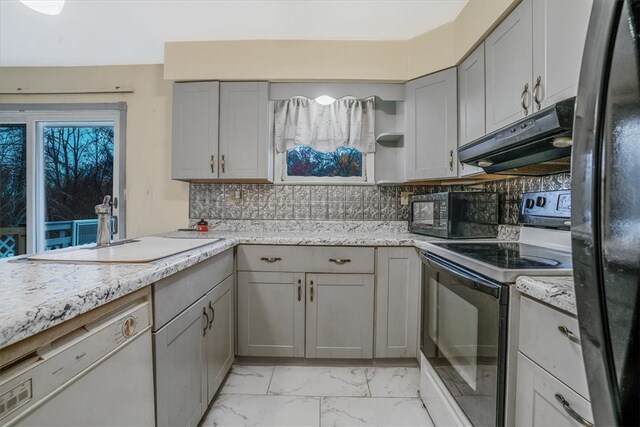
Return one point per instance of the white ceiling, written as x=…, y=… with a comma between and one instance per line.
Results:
x=102, y=32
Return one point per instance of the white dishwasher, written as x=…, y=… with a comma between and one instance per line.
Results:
x=100, y=374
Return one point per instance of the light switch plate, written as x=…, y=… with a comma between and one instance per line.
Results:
x=404, y=197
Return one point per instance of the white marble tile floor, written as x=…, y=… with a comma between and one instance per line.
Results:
x=319, y=396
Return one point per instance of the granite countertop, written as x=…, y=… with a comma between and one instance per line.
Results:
x=37, y=295
x=558, y=291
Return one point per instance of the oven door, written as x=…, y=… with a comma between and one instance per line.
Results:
x=463, y=337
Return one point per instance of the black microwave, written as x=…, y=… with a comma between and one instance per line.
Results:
x=455, y=214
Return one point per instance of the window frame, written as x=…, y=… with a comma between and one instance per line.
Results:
x=36, y=117
x=368, y=162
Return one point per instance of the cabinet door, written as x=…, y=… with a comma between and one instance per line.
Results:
x=244, y=131
x=432, y=127
x=181, y=388
x=559, y=32
x=219, y=338
x=471, y=107
x=397, y=296
x=271, y=314
x=194, y=139
x=339, y=316
x=509, y=68
x=537, y=398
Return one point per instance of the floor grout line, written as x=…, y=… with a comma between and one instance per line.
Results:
x=273, y=370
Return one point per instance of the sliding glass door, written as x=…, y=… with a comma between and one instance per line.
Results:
x=69, y=162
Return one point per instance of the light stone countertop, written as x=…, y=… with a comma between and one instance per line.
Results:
x=558, y=291
x=37, y=295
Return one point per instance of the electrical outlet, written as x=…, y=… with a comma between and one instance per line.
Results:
x=404, y=197
x=236, y=195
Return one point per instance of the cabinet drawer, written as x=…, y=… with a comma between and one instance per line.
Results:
x=173, y=294
x=311, y=259
x=542, y=341
x=543, y=400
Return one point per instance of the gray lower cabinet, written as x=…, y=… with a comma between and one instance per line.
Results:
x=339, y=316
x=397, y=302
x=271, y=309
x=193, y=338
x=471, y=106
x=431, y=139
x=509, y=68
x=181, y=386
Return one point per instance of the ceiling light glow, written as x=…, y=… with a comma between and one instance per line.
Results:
x=48, y=7
x=325, y=100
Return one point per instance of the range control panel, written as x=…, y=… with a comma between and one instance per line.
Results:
x=550, y=209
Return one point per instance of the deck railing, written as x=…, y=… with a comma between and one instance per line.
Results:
x=57, y=235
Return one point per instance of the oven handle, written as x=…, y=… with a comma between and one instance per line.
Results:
x=478, y=282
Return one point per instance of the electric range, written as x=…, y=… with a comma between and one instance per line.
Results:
x=465, y=306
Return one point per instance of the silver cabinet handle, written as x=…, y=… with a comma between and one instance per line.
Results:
x=206, y=322
x=222, y=163
x=523, y=97
x=339, y=261
x=270, y=259
x=536, y=92
x=451, y=160
x=299, y=290
x=212, y=164
x=213, y=314
x=311, y=292
x=569, y=410
x=566, y=331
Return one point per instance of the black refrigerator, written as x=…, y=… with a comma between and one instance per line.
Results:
x=606, y=210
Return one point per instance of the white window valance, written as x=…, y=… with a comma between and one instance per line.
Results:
x=345, y=122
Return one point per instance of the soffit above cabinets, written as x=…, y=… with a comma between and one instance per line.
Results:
x=134, y=32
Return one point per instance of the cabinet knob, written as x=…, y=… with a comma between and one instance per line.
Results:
x=299, y=290
x=206, y=321
x=311, y=291
x=567, y=332
x=222, y=163
x=270, y=259
x=213, y=314
x=212, y=164
x=339, y=261
x=450, y=160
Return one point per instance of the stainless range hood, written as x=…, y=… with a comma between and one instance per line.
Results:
x=539, y=144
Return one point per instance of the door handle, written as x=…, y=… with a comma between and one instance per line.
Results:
x=206, y=322
x=339, y=261
x=212, y=164
x=311, y=292
x=222, y=163
x=270, y=259
x=572, y=413
x=213, y=314
x=299, y=289
x=536, y=91
x=523, y=97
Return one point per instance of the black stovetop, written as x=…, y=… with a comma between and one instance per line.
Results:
x=511, y=255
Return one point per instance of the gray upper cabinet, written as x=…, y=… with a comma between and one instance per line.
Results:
x=559, y=32
x=509, y=68
x=431, y=136
x=194, y=145
x=471, y=106
x=221, y=131
x=245, y=150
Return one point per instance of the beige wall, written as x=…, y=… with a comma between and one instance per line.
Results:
x=148, y=132
x=301, y=60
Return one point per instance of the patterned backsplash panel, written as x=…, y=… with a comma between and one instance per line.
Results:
x=344, y=202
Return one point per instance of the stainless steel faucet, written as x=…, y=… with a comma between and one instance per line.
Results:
x=103, y=211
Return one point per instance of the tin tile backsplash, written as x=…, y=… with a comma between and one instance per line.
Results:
x=344, y=202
